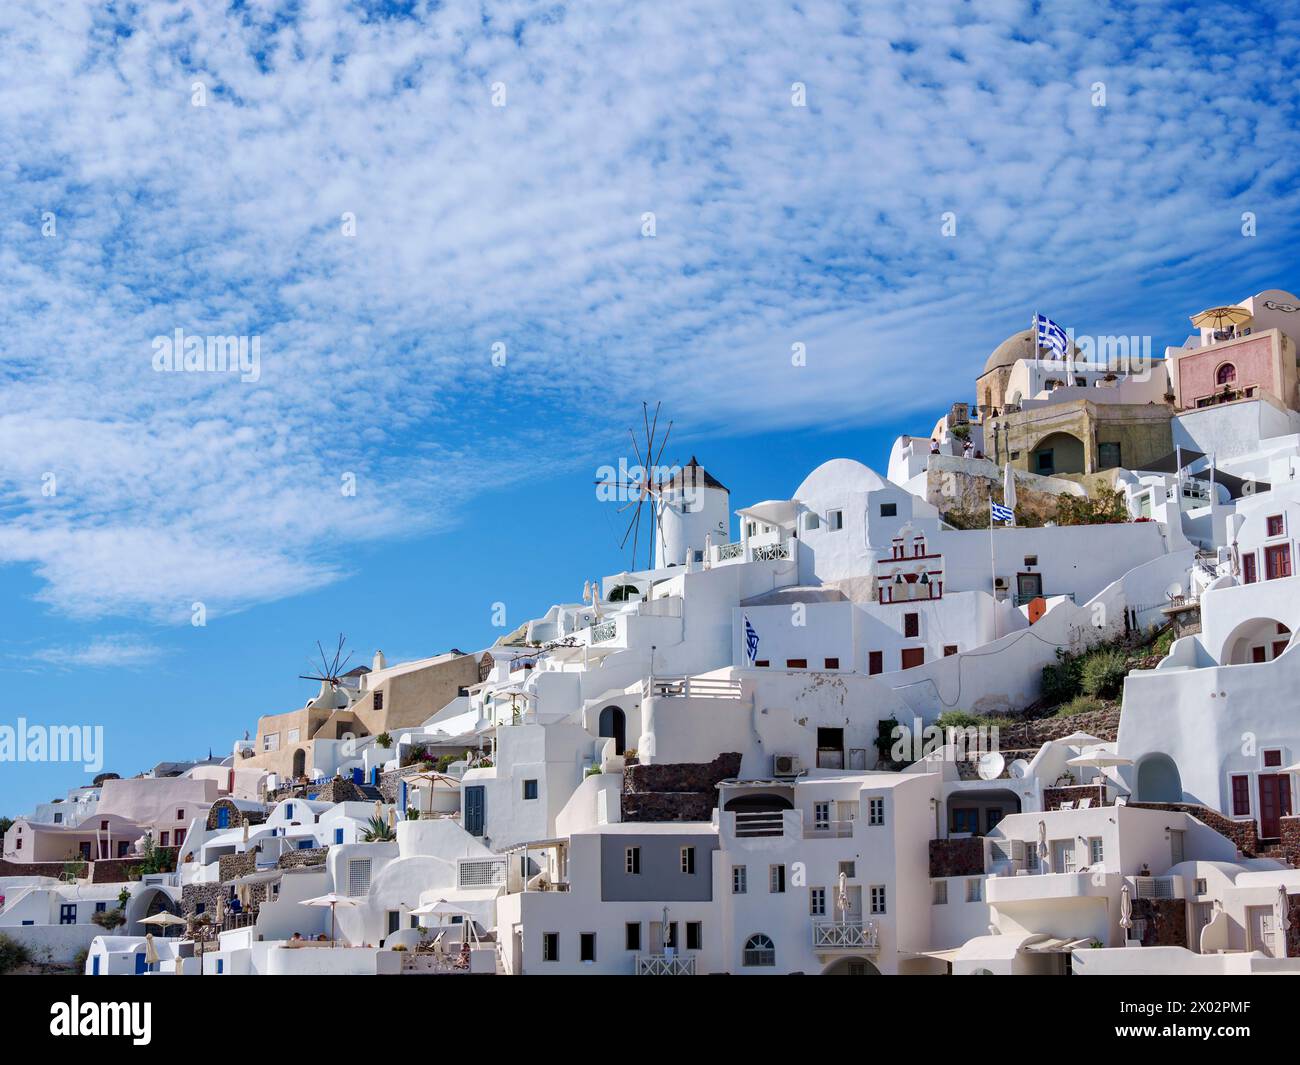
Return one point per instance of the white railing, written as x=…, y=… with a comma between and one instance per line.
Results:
x=691, y=688
x=606, y=630
x=771, y=552
x=728, y=551
x=850, y=934
x=759, y=823
x=481, y=872
x=665, y=965
x=841, y=829
x=668, y=606
x=1154, y=887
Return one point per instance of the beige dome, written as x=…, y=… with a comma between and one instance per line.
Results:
x=1016, y=346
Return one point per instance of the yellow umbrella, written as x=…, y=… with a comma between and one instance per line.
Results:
x=1221, y=317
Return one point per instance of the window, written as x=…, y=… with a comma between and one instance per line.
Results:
x=876, y=810
x=1226, y=374
x=1241, y=796
x=632, y=860
x=688, y=860
x=550, y=946
x=164, y=839
x=761, y=663
x=1045, y=463
x=180, y=815
x=817, y=902
x=739, y=880
x=1031, y=561
x=759, y=951
x=293, y=735
x=1273, y=758
x=1096, y=852
x=1198, y=888
x=1108, y=456
x=849, y=869
x=379, y=700
x=912, y=625
x=103, y=826
x=949, y=649
x=810, y=521
x=832, y=663
x=911, y=657
x=358, y=876
x=101, y=907
x=394, y=921
x=587, y=946
x=821, y=816
x=68, y=913
x=889, y=510
x=834, y=520
x=1275, y=527
x=974, y=889
x=1277, y=561
x=776, y=879
x=939, y=893
x=632, y=935
x=20, y=843
x=796, y=663
x=58, y=819
x=1248, y=574
x=694, y=935
x=878, y=898
x=530, y=789
x=875, y=662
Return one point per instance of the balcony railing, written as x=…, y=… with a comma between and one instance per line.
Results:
x=841, y=829
x=1022, y=598
x=729, y=551
x=759, y=823
x=665, y=965
x=771, y=552
x=691, y=688
x=606, y=630
x=1154, y=887
x=850, y=934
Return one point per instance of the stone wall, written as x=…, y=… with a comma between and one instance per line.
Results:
x=103, y=871
x=1104, y=724
x=299, y=859
x=676, y=791
x=230, y=866
x=1166, y=921
x=236, y=816
x=957, y=857
x=50, y=869
x=1053, y=797
x=1289, y=845
x=1242, y=833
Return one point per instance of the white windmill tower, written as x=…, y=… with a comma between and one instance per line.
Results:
x=695, y=508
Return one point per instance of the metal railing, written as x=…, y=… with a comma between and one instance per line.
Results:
x=664, y=965
x=840, y=829
x=606, y=630
x=691, y=688
x=849, y=934
x=1154, y=887
x=1022, y=599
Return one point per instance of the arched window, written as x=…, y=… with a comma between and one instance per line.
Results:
x=1227, y=373
x=613, y=725
x=759, y=950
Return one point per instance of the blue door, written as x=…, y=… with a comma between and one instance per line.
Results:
x=94, y=965
x=475, y=803
x=140, y=967
x=357, y=778
x=223, y=817
x=374, y=776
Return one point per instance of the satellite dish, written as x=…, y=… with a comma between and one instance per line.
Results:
x=991, y=765
x=1174, y=589
x=1019, y=768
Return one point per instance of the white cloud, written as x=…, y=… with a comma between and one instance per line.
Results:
x=101, y=652
x=521, y=224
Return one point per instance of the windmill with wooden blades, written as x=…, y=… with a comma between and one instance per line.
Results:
x=644, y=485
x=331, y=667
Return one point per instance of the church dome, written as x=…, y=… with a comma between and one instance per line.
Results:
x=1016, y=346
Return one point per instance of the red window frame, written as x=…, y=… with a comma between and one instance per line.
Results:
x=1277, y=561
x=1275, y=526
x=875, y=662
x=1241, y=796
x=1249, y=574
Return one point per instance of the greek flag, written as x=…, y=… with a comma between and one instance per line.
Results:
x=1050, y=336
x=751, y=641
x=1003, y=514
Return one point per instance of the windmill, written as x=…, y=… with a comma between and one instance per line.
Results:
x=648, y=487
x=330, y=668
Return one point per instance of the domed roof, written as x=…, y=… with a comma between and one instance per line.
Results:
x=1016, y=346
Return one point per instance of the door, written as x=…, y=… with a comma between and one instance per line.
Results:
x=1062, y=856
x=140, y=967
x=830, y=748
x=913, y=656
x=1175, y=847
x=94, y=965
x=475, y=809
x=223, y=817
x=85, y=851
x=1028, y=586
x=1201, y=914
x=1274, y=803
x=1259, y=926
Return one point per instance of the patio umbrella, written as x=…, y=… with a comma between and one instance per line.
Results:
x=1081, y=739
x=150, y=951
x=392, y=816
x=1100, y=760
x=331, y=900
x=1125, y=910
x=219, y=911
x=1042, y=842
x=1221, y=317
x=1009, y=487
x=165, y=920
x=245, y=833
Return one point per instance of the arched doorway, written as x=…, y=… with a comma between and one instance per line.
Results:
x=1058, y=453
x=1256, y=640
x=613, y=725
x=299, y=763
x=851, y=967
x=759, y=815
x=1158, y=779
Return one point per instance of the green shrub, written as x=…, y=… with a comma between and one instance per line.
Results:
x=960, y=719
x=1061, y=682
x=12, y=955
x=1080, y=704
x=1103, y=673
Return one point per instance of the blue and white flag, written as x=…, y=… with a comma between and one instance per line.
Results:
x=1051, y=336
x=1003, y=514
x=751, y=641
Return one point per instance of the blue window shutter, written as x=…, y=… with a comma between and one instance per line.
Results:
x=338, y=835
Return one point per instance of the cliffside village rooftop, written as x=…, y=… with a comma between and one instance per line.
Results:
x=1020, y=703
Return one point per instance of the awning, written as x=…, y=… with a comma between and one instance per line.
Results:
x=1054, y=946
x=773, y=511
x=948, y=956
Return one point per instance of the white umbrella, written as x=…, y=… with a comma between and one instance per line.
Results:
x=150, y=951
x=164, y=920
x=1281, y=914
x=1009, y=486
x=1081, y=739
x=1100, y=760
x=1042, y=842
x=1125, y=910
x=331, y=900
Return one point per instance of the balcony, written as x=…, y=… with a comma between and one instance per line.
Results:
x=690, y=688
x=604, y=632
x=841, y=829
x=851, y=934
x=664, y=965
x=781, y=551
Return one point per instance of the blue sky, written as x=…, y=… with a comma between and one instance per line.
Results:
x=523, y=225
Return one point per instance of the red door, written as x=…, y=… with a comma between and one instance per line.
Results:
x=1274, y=803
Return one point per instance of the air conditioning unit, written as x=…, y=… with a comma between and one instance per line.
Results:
x=1000, y=582
x=785, y=765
